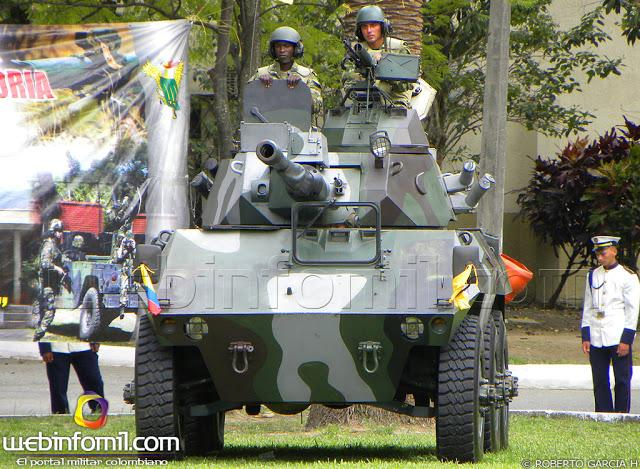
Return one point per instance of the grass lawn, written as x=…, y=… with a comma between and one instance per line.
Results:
x=282, y=442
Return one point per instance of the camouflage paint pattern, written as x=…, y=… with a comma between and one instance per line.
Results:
x=276, y=326
x=306, y=322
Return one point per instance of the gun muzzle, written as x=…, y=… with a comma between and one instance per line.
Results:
x=364, y=56
x=481, y=186
x=302, y=182
x=466, y=175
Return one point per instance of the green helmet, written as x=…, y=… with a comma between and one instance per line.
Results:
x=371, y=14
x=78, y=242
x=286, y=34
x=55, y=225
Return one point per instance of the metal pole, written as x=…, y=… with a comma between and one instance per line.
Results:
x=494, y=118
x=17, y=267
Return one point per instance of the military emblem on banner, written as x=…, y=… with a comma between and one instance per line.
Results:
x=168, y=79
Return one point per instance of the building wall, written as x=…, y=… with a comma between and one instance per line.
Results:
x=609, y=100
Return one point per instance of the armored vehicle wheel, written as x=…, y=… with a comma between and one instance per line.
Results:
x=502, y=367
x=459, y=422
x=157, y=399
x=91, y=315
x=492, y=352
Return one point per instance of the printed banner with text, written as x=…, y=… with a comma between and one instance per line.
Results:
x=90, y=118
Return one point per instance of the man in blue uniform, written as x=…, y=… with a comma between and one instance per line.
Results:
x=609, y=321
x=59, y=357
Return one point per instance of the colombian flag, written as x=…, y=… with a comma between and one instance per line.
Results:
x=152, y=298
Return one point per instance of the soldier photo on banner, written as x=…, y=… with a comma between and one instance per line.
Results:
x=75, y=122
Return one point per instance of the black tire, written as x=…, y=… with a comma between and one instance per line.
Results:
x=459, y=422
x=492, y=351
x=91, y=316
x=204, y=434
x=157, y=402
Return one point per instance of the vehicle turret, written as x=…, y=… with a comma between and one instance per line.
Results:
x=302, y=183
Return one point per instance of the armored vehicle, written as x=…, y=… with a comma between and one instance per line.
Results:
x=93, y=285
x=325, y=273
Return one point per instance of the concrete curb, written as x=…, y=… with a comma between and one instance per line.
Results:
x=562, y=376
x=595, y=416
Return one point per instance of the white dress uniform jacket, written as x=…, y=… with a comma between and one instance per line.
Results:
x=611, y=303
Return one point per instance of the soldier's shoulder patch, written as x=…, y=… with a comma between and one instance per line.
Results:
x=628, y=269
x=395, y=44
x=303, y=71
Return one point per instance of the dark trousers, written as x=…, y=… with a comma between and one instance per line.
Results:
x=86, y=366
x=601, y=358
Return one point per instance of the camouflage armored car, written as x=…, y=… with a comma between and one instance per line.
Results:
x=93, y=285
x=325, y=273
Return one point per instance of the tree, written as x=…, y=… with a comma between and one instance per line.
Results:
x=614, y=199
x=545, y=64
x=574, y=196
x=630, y=11
x=12, y=12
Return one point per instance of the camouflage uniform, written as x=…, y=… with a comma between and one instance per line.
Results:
x=307, y=75
x=400, y=92
x=124, y=255
x=50, y=257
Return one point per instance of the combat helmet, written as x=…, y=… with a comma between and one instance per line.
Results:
x=55, y=225
x=286, y=34
x=372, y=14
x=78, y=242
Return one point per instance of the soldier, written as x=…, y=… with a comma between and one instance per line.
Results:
x=372, y=31
x=609, y=320
x=124, y=255
x=50, y=275
x=76, y=253
x=285, y=47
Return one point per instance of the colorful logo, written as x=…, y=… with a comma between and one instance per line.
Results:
x=4, y=302
x=103, y=405
x=167, y=81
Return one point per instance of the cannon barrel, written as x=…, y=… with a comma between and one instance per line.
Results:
x=365, y=58
x=302, y=183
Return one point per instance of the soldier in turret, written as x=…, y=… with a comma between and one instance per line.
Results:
x=50, y=275
x=372, y=31
x=76, y=253
x=285, y=46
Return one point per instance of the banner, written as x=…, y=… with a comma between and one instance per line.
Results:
x=93, y=132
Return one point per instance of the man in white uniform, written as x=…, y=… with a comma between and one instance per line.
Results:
x=609, y=321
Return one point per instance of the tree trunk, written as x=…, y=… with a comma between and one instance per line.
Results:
x=405, y=17
x=250, y=33
x=218, y=75
x=320, y=416
x=553, y=299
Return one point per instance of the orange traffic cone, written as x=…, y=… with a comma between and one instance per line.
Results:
x=518, y=275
